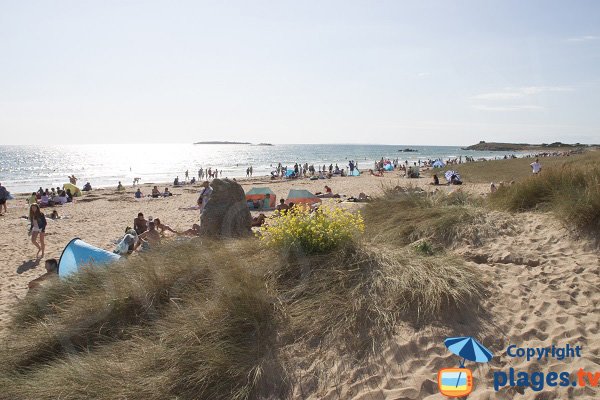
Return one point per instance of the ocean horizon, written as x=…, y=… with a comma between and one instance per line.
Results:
x=25, y=168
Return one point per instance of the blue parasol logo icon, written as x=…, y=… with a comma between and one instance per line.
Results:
x=469, y=349
x=457, y=382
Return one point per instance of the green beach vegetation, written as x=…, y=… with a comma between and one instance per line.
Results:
x=569, y=189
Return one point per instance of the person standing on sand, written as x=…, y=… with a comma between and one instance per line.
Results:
x=204, y=195
x=37, y=228
x=3, y=199
x=187, y=174
x=536, y=167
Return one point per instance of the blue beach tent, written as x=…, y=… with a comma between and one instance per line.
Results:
x=79, y=253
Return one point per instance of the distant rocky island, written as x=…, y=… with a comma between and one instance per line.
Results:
x=227, y=142
x=496, y=146
x=221, y=142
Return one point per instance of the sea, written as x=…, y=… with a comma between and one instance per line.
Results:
x=26, y=168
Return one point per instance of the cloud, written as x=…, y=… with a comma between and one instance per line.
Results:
x=585, y=38
x=517, y=107
x=518, y=93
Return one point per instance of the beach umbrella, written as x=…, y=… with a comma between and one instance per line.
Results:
x=468, y=348
x=388, y=167
x=438, y=164
x=74, y=189
x=449, y=174
x=78, y=253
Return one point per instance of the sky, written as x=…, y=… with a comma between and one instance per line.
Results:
x=387, y=72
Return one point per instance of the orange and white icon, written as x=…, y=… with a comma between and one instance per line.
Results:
x=455, y=382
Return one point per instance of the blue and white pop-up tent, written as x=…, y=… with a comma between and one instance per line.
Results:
x=79, y=253
x=438, y=164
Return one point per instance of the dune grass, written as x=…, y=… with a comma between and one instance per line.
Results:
x=405, y=217
x=510, y=169
x=571, y=191
x=218, y=320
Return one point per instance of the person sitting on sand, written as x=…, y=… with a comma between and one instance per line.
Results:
x=162, y=227
x=328, y=193
x=54, y=215
x=194, y=231
x=155, y=192
x=436, y=180
x=455, y=180
x=128, y=243
x=120, y=187
x=138, y=194
x=282, y=206
x=362, y=197
x=4, y=195
x=44, y=200
x=140, y=225
x=51, y=266
x=493, y=187
x=166, y=193
x=259, y=221
x=149, y=238
x=378, y=173
x=87, y=187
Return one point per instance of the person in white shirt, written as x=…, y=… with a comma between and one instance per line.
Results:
x=204, y=195
x=536, y=166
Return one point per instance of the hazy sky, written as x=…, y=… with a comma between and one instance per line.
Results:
x=397, y=72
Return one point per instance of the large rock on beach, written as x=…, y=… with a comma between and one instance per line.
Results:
x=226, y=213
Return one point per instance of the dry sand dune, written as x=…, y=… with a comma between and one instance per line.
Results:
x=544, y=291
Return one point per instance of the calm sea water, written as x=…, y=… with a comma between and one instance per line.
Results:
x=26, y=168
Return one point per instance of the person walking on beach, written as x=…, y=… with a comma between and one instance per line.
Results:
x=3, y=199
x=187, y=174
x=536, y=167
x=37, y=228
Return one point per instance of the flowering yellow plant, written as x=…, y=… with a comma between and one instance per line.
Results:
x=314, y=232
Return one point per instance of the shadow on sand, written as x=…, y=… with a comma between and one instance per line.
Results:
x=27, y=265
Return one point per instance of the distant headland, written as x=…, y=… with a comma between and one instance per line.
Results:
x=495, y=146
x=227, y=142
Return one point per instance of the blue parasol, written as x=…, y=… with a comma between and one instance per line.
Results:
x=449, y=174
x=469, y=349
x=438, y=164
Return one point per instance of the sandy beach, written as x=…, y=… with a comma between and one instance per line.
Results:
x=543, y=281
